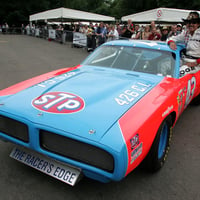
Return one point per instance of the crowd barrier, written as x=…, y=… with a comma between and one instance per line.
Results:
x=11, y=30
x=76, y=39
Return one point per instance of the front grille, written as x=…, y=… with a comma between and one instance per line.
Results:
x=14, y=128
x=76, y=150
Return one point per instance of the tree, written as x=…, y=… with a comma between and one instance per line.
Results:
x=17, y=12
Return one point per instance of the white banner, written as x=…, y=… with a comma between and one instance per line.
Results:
x=79, y=39
x=52, y=34
x=37, y=32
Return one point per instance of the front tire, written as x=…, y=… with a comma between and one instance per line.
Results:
x=160, y=147
x=196, y=101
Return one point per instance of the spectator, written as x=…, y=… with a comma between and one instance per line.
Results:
x=3, y=28
x=164, y=33
x=154, y=35
x=101, y=33
x=146, y=33
x=85, y=29
x=76, y=27
x=113, y=33
x=179, y=28
x=119, y=29
x=128, y=30
x=153, y=25
x=136, y=34
x=91, y=38
x=173, y=31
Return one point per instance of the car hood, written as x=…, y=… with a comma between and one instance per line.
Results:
x=98, y=98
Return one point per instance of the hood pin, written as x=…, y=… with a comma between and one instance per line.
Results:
x=39, y=114
x=91, y=132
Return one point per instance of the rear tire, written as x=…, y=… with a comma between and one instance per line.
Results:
x=160, y=147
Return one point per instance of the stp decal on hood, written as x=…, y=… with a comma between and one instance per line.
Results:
x=59, y=103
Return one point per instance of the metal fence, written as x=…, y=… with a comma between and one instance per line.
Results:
x=89, y=42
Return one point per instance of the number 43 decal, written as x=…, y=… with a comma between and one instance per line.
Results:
x=190, y=90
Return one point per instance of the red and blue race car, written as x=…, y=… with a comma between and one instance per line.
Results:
x=102, y=118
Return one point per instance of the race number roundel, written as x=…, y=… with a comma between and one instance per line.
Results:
x=59, y=103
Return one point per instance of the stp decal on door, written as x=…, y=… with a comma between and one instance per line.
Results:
x=59, y=103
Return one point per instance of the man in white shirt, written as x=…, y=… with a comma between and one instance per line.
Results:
x=113, y=33
x=191, y=37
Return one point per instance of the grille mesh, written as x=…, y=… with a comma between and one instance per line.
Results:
x=14, y=128
x=76, y=150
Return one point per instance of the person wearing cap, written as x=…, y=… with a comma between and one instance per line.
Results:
x=165, y=33
x=179, y=28
x=191, y=37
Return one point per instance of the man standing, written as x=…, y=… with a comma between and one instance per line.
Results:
x=128, y=29
x=101, y=33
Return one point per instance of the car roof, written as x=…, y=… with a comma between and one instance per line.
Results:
x=157, y=45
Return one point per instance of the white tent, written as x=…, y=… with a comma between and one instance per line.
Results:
x=66, y=14
x=169, y=15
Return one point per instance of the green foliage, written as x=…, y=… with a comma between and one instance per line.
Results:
x=17, y=12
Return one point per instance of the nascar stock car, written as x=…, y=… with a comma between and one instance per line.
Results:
x=102, y=118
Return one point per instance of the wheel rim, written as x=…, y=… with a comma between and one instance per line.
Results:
x=163, y=141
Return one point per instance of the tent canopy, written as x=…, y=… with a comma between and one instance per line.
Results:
x=159, y=15
x=66, y=14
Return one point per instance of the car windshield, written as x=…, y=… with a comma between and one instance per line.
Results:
x=134, y=59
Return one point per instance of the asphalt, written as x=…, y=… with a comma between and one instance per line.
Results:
x=22, y=57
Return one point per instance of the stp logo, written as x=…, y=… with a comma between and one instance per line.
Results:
x=59, y=103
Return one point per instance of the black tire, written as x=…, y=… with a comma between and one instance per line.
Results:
x=160, y=147
x=196, y=101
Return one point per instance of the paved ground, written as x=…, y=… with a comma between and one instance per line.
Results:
x=22, y=57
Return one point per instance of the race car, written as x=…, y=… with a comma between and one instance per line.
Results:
x=103, y=118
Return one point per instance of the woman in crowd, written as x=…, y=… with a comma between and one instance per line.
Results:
x=146, y=33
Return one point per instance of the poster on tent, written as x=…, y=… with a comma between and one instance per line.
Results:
x=79, y=39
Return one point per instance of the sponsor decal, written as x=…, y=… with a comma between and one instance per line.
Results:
x=187, y=70
x=131, y=94
x=56, y=79
x=134, y=141
x=46, y=165
x=59, y=103
x=180, y=97
x=166, y=112
x=136, y=152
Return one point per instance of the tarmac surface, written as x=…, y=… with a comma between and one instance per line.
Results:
x=22, y=57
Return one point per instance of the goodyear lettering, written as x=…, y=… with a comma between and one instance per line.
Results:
x=169, y=109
